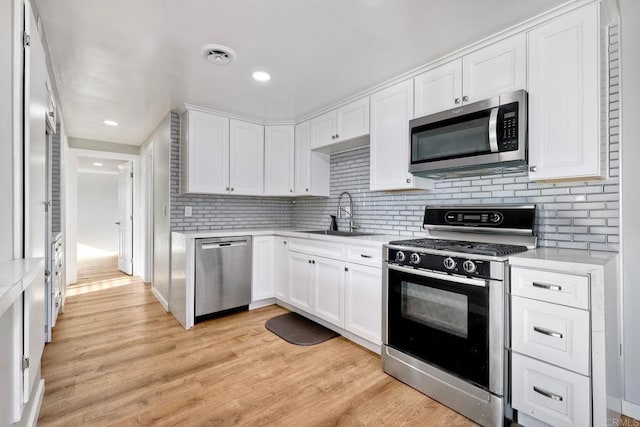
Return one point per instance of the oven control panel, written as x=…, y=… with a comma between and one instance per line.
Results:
x=449, y=264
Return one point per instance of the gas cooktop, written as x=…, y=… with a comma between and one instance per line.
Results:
x=479, y=248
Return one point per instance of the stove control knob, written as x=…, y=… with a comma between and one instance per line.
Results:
x=400, y=256
x=495, y=217
x=469, y=266
x=449, y=263
x=414, y=258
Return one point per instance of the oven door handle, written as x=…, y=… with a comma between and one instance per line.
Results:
x=439, y=276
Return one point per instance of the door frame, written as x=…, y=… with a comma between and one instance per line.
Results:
x=146, y=234
x=71, y=208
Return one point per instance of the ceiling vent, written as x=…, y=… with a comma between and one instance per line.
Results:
x=217, y=54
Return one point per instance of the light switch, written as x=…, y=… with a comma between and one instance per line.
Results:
x=187, y=211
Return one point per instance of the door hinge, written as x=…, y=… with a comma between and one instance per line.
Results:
x=26, y=39
x=25, y=363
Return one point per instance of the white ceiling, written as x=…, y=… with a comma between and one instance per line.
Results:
x=132, y=61
x=110, y=166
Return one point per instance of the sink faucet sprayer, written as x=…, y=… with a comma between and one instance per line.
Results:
x=347, y=211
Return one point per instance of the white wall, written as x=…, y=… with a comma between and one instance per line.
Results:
x=630, y=232
x=6, y=128
x=98, y=211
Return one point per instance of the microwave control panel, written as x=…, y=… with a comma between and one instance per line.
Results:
x=508, y=127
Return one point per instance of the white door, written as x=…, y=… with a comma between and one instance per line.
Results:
x=352, y=120
x=281, y=276
x=323, y=130
x=279, y=160
x=328, y=289
x=246, y=158
x=438, y=89
x=363, y=305
x=125, y=218
x=495, y=69
x=263, y=268
x=300, y=280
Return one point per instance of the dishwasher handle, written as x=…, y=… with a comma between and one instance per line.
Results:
x=219, y=245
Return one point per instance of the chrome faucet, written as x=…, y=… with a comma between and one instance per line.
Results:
x=347, y=211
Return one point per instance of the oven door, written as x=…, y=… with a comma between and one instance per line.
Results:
x=440, y=319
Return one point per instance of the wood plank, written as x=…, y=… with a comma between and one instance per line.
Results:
x=118, y=359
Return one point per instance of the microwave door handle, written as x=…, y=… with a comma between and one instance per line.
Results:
x=493, y=130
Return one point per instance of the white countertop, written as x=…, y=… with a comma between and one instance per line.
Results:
x=12, y=274
x=555, y=258
x=371, y=240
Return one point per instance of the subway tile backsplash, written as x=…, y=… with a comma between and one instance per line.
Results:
x=580, y=215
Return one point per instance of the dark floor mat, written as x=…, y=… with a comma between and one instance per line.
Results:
x=299, y=330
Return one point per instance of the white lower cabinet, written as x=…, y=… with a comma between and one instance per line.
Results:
x=281, y=262
x=363, y=302
x=263, y=272
x=300, y=280
x=328, y=289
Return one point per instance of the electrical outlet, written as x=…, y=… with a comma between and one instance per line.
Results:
x=187, y=211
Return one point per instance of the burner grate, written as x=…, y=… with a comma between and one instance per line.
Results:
x=480, y=248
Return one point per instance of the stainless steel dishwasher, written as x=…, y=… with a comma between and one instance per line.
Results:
x=223, y=276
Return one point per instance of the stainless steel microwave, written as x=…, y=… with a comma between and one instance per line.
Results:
x=488, y=136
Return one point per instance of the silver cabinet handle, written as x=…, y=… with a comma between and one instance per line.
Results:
x=547, y=332
x=366, y=256
x=546, y=286
x=457, y=101
x=117, y=223
x=532, y=168
x=465, y=98
x=548, y=394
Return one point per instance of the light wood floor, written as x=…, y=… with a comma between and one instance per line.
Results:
x=118, y=359
x=97, y=274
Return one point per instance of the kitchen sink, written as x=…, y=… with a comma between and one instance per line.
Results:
x=339, y=233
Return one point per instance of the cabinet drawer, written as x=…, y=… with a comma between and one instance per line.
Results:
x=319, y=248
x=551, y=332
x=558, y=288
x=550, y=394
x=365, y=255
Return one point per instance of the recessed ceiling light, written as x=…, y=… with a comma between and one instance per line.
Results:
x=97, y=164
x=110, y=123
x=261, y=76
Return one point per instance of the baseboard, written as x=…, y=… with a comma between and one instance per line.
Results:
x=32, y=411
x=631, y=409
x=160, y=298
x=262, y=303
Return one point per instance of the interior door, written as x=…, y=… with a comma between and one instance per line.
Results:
x=125, y=218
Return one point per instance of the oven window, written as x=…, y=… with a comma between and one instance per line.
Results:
x=438, y=309
x=463, y=136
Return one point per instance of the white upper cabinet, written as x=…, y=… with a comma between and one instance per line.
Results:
x=564, y=97
x=246, y=158
x=204, y=153
x=498, y=68
x=347, y=122
x=391, y=110
x=311, y=167
x=279, y=160
x=495, y=69
x=438, y=89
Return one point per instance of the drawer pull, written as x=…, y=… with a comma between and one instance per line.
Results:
x=366, y=256
x=547, y=394
x=547, y=286
x=544, y=331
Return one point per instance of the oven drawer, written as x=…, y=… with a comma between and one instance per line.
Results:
x=365, y=255
x=558, y=288
x=550, y=394
x=552, y=333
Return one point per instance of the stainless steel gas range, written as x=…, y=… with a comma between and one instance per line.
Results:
x=444, y=306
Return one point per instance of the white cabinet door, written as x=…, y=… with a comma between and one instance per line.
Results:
x=495, y=69
x=323, y=130
x=300, y=280
x=34, y=322
x=363, y=306
x=352, y=120
x=279, y=160
x=438, y=89
x=564, y=96
x=311, y=167
x=246, y=158
x=391, y=110
x=282, y=269
x=262, y=281
x=205, y=153
x=328, y=289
